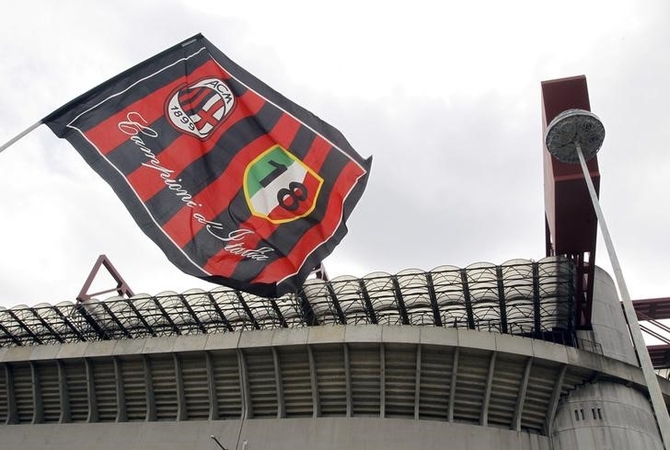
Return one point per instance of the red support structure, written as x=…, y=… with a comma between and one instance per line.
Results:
x=660, y=355
x=571, y=223
x=655, y=308
x=652, y=310
x=121, y=287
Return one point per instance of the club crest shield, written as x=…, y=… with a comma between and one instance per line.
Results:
x=280, y=187
x=198, y=109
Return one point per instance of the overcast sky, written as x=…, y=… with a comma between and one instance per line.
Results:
x=445, y=98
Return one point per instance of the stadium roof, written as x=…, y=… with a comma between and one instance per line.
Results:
x=519, y=297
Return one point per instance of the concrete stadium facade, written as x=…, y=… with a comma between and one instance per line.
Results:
x=356, y=385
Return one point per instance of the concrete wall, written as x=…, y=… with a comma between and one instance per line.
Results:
x=298, y=434
x=606, y=416
x=610, y=330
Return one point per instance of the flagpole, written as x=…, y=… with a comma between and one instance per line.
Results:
x=569, y=136
x=19, y=136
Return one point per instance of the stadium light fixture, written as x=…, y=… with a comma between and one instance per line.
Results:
x=575, y=136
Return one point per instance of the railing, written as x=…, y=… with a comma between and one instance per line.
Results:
x=519, y=297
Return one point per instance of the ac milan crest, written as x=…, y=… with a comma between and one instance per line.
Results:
x=200, y=108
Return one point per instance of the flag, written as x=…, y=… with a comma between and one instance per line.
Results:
x=235, y=183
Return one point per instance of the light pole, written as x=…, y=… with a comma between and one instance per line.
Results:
x=575, y=136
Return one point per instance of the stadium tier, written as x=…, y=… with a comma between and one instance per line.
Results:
x=482, y=357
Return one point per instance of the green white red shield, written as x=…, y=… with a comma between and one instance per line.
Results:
x=280, y=187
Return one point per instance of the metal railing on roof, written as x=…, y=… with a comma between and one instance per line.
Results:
x=521, y=297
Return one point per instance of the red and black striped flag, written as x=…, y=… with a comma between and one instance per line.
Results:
x=235, y=183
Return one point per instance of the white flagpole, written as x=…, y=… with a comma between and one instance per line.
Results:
x=19, y=136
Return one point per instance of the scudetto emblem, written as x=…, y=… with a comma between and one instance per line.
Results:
x=200, y=108
x=279, y=187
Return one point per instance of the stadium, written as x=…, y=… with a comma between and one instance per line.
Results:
x=532, y=355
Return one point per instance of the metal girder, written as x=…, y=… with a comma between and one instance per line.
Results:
x=660, y=356
x=652, y=308
x=165, y=314
x=570, y=219
x=336, y=303
x=218, y=310
x=537, y=312
x=433, y=299
x=195, y=317
x=46, y=324
x=247, y=310
x=121, y=288
x=501, y=300
x=26, y=328
x=141, y=318
x=15, y=339
x=81, y=309
x=277, y=311
x=306, y=309
x=468, y=300
x=70, y=325
x=115, y=319
x=397, y=292
x=368, y=302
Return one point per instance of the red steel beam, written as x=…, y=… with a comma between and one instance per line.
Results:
x=571, y=223
x=121, y=287
x=660, y=355
x=654, y=308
